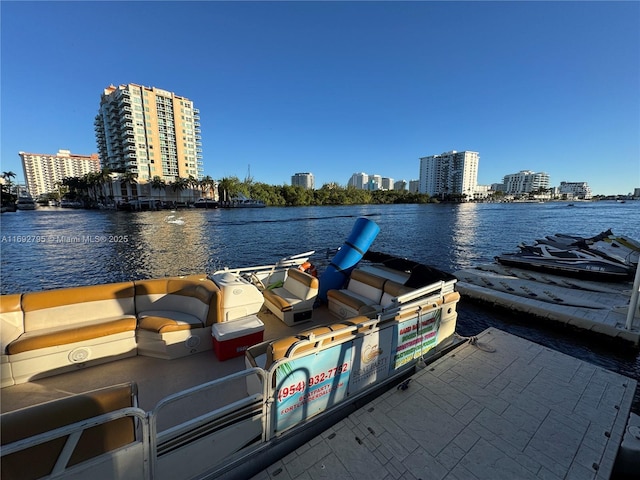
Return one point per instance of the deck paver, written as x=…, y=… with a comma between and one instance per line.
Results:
x=506, y=408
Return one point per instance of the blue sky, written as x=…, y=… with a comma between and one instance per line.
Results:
x=335, y=88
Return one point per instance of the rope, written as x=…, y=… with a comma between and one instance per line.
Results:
x=479, y=345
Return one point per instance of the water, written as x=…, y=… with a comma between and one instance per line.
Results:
x=54, y=248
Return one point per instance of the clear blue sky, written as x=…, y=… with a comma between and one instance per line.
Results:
x=335, y=88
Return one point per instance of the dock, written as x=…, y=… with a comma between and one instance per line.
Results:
x=598, y=307
x=497, y=407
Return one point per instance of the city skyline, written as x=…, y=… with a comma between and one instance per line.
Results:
x=338, y=87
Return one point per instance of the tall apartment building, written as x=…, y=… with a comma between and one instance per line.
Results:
x=149, y=132
x=450, y=173
x=42, y=171
x=304, y=180
x=525, y=181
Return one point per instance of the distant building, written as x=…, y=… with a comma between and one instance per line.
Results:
x=386, y=183
x=149, y=132
x=414, y=186
x=450, y=173
x=481, y=192
x=42, y=171
x=359, y=180
x=375, y=182
x=578, y=190
x=400, y=185
x=364, y=181
x=525, y=181
x=304, y=180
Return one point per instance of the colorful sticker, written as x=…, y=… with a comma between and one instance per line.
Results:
x=311, y=384
x=415, y=338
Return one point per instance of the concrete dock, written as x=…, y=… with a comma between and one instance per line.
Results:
x=498, y=408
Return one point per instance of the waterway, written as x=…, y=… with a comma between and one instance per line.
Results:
x=53, y=248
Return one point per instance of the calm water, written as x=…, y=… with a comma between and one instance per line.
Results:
x=67, y=248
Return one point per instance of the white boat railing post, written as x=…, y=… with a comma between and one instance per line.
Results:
x=634, y=301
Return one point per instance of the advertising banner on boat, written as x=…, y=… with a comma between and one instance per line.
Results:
x=371, y=359
x=415, y=337
x=309, y=385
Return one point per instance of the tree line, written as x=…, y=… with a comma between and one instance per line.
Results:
x=89, y=188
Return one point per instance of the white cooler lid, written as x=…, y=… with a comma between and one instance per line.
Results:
x=237, y=328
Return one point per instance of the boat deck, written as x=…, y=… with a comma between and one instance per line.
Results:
x=502, y=408
x=156, y=378
x=594, y=306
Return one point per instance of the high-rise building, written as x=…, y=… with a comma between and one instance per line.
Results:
x=149, y=132
x=386, y=183
x=359, y=180
x=304, y=180
x=525, y=181
x=42, y=171
x=450, y=173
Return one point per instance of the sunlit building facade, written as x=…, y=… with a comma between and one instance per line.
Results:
x=44, y=171
x=450, y=173
x=304, y=180
x=580, y=190
x=149, y=132
x=525, y=181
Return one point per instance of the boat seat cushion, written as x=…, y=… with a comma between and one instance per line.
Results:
x=353, y=301
x=70, y=306
x=297, y=294
x=162, y=321
x=63, y=335
x=367, y=285
x=195, y=296
x=11, y=320
x=38, y=461
x=393, y=290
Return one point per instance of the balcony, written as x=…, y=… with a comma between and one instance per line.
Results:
x=129, y=133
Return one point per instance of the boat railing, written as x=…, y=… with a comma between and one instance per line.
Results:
x=286, y=262
x=134, y=455
x=173, y=441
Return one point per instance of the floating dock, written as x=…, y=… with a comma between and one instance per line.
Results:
x=594, y=306
x=499, y=407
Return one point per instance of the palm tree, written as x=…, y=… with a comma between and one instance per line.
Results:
x=206, y=184
x=127, y=180
x=7, y=197
x=157, y=183
x=8, y=176
x=193, y=184
x=104, y=177
x=178, y=186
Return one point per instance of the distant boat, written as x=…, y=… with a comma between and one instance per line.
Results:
x=206, y=203
x=65, y=203
x=240, y=201
x=26, y=202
